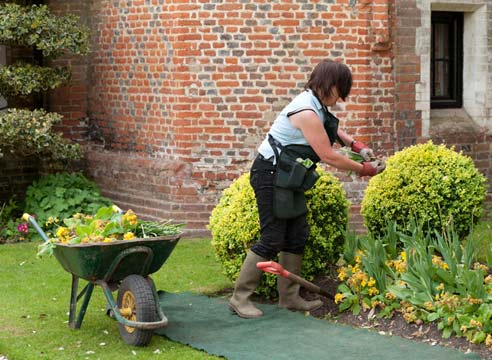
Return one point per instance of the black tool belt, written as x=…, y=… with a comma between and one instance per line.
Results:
x=295, y=174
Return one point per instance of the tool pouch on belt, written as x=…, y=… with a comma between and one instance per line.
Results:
x=295, y=174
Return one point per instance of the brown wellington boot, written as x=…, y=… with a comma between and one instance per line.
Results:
x=288, y=290
x=246, y=284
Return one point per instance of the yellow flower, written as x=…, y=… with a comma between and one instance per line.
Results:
x=428, y=305
x=373, y=291
x=479, y=266
x=475, y=323
x=61, y=232
x=338, y=298
x=342, y=274
x=51, y=220
x=488, y=340
x=437, y=261
x=116, y=208
x=108, y=239
x=403, y=255
x=488, y=280
x=440, y=287
x=130, y=217
x=371, y=282
x=128, y=236
x=400, y=266
x=390, y=296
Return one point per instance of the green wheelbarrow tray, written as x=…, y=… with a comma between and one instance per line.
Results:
x=116, y=260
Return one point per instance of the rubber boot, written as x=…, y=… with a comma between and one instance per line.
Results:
x=246, y=284
x=288, y=290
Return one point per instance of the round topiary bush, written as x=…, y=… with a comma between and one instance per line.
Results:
x=427, y=183
x=235, y=227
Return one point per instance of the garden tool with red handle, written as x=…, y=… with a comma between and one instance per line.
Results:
x=277, y=269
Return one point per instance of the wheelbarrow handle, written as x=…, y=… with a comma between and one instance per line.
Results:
x=30, y=218
x=277, y=269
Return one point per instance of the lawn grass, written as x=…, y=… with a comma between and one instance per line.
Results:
x=35, y=298
x=483, y=233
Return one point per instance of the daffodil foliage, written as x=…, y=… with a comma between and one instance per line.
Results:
x=426, y=276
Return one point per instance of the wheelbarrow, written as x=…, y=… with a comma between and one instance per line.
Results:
x=120, y=265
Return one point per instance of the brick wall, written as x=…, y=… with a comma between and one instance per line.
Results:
x=407, y=127
x=15, y=176
x=176, y=96
x=72, y=101
x=181, y=93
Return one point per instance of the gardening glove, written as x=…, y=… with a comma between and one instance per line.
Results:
x=372, y=168
x=363, y=150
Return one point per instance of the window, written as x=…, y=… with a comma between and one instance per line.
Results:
x=447, y=60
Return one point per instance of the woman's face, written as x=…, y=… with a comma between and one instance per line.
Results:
x=332, y=98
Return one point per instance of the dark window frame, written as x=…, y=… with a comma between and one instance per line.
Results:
x=454, y=20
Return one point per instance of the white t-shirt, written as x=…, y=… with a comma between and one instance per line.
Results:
x=282, y=129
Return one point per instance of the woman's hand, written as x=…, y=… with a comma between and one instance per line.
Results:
x=372, y=168
x=363, y=150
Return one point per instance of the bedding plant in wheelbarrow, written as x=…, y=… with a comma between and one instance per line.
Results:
x=117, y=251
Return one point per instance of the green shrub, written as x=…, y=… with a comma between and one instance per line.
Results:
x=36, y=27
x=235, y=227
x=59, y=196
x=428, y=183
x=25, y=79
x=25, y=133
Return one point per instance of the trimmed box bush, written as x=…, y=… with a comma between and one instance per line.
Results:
x=428, y=183
x=235, y=227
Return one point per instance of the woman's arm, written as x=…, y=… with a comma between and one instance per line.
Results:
x=314, y=132
x=345, y=138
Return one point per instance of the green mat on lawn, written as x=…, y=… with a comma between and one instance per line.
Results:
x=206, y=324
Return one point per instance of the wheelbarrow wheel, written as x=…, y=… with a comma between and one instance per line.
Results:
x=136, y=302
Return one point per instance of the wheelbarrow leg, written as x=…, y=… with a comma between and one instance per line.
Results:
x=73, y=302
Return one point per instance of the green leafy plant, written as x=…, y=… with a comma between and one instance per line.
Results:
x=25, y=79
x=434, y=278
x=26, y=133
x=430, y=182
x=36, y=27
x=58, y=196
x=235, y=227
x=108, y=224
x=9, y=212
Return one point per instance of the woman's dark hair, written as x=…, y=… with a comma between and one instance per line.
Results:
x=327, y=74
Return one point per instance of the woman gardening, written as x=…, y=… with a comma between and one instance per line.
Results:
x=302, y=135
